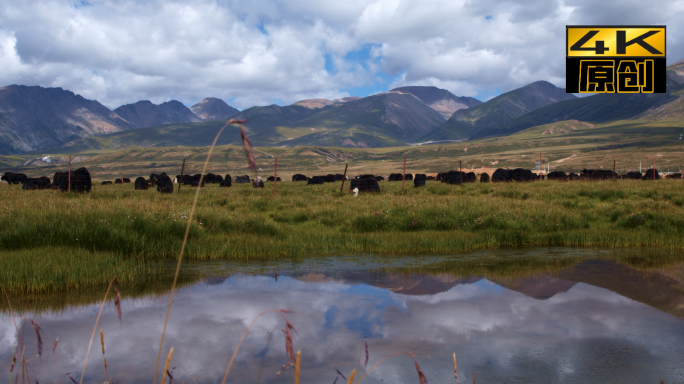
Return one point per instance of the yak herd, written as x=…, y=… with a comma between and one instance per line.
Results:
x=80, y=181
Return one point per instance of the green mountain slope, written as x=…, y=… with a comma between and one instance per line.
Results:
x=172, y=135
x=606, y=107
x=497, y=112
x=386, y=119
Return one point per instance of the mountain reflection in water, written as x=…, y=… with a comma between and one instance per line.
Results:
x=598, y=321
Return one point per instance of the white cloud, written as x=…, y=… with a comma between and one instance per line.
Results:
x=260, y=51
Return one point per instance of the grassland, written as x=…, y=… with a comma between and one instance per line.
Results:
x=570, y=145
x=55, y=241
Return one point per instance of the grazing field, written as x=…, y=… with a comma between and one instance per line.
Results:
x=58, y=241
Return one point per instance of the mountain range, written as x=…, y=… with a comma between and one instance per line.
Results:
x=33, y=117
x=36, y=118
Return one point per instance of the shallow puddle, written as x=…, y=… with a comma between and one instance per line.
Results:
x=597, y=320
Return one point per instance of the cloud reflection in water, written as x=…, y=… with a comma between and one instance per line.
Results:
x=532, y=330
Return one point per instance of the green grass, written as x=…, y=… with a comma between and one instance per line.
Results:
x=45, y=269
x=116, y=230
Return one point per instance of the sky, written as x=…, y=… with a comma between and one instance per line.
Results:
x=261, y=52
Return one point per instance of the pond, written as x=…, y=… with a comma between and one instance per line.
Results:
x=583, y=316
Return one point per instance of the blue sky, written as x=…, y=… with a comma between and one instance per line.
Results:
x=261, y=52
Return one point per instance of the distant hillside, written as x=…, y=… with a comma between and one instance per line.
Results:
x=320, y=103
x=440, y=100
x=264, y=122
x=497, y=112
x=145, y=114
x=35, y=117
x=212, y=108
x=386, y=119
x=606, y=107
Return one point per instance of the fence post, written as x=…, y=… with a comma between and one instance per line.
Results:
x=180, y=182
x=69, y=180
x=345, y=176
x=275, y=180
x=403, y=177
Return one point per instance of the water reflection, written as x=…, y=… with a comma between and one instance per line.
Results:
x=597, y=321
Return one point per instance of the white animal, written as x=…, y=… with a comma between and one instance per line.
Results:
x=356, y=192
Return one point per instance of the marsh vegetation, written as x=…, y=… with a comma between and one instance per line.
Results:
x=59, y=241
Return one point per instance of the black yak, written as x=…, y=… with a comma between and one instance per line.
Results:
x=674, y=176
x=241, y=179
x=80, y=181
x=399, y=177
x=36, y=183
x=272, y=178
x=14, y=178
x=106, y=182
x=517, y=174
x=227, y=182
x=557, y=175
x=649, y=175
x=185, y=179
x=315, y=180
x=633, y=176
x=141, y=184
x=419, y=180
x=484, y=178
x=366, y=184
x=458, y=177
x=299, y=177
x=596, y=174
x=164, y=184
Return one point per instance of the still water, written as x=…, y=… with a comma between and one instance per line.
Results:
x=597, y=320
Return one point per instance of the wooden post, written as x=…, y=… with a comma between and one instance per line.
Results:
x=345, y=176
x=275, y=180
x=69, y=179
x=180, y=182
x=403, y=178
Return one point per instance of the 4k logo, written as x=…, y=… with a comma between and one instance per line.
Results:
x=615, y=59
x=615, y=41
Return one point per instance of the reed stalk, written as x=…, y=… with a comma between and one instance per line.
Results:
x=97, y=320
x=297, y=366
x=103, y=354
